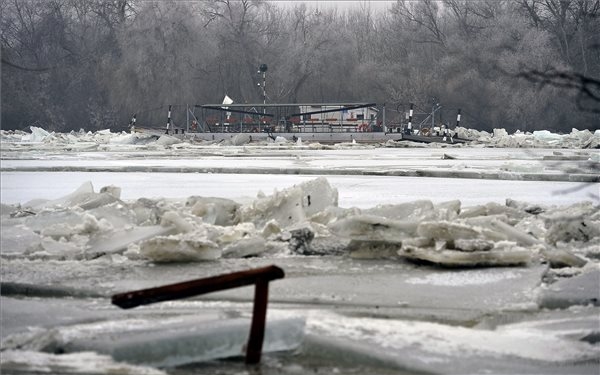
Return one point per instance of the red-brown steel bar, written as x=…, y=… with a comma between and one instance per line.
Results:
x=258, y=276
x=196, y=287
x=257, y=329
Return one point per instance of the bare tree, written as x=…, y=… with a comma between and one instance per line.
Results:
x=422, y=15
x=240, y=26
x=575, y=27
x=586, y=89
x=92, y=63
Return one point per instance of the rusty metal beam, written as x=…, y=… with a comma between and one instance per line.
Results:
x=260, y=277
x=257, y=328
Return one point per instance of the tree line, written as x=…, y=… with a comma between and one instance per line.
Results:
x=515, y=64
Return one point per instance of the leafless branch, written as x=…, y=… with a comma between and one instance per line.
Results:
x=24, y=68
x=588, y=88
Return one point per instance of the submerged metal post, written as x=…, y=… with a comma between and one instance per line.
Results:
x=258, y=276
x=257, y=328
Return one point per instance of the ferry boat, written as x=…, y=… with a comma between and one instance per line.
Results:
x=311, y=122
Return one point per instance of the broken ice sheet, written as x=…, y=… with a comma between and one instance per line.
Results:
x=492, y=208
x=417, y=210
x=61, y=249
x=446, y=230
x=183, y=247
x=46, y=218
x=16, y=238
x=292, y=205
x=172, y=341
x=245, y=247
x=572, y=229
x=29, y=362
x=373, y=249
x=374, y=228
x=118, y=240
x=581, y=289
x=201, y=241
x=435, y=347
x=84, y=193
x=508, y=256
x=217, y=211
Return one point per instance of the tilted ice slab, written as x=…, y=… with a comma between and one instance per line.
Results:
x=185, y=340
x=292, y=205
x=440, y=348
x=583, y=289
x=169, y=342
x=477, y=291
x=513, y=255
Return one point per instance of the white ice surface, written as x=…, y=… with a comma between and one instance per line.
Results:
x=462, y=277
x=354, y=191
x=438, y=342
x=28, y=175
x=28, y=362
x=483, y=159
x=177, y=341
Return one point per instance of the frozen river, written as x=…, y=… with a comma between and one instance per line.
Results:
x=349, y=303
x=364, y=176
x=354, y=191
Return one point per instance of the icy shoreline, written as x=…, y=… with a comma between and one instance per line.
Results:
x=498, y=138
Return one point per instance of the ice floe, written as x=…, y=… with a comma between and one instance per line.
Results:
x=86, y=224
x=497, y=138
x=539, y=138
x=175, y=341
x=400, y=343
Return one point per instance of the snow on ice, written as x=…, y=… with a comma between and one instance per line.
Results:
x=22, y=361
x=81, y=225
x=416, y=285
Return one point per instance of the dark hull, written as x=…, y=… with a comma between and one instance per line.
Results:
x=321, y=137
